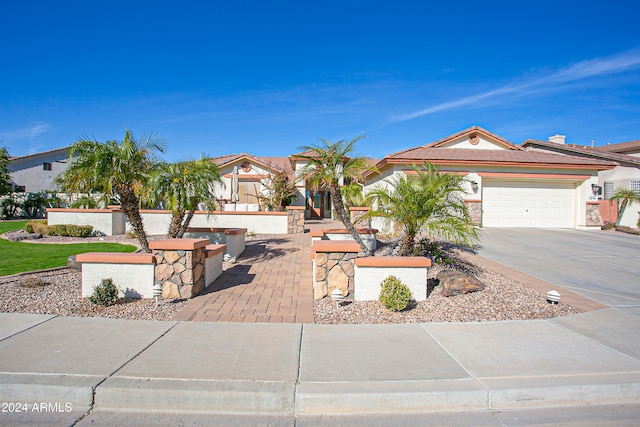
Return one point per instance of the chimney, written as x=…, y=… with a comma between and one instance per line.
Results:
x=592, y=143
x=557, y=139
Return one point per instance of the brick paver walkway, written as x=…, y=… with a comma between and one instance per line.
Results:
x=271, y=282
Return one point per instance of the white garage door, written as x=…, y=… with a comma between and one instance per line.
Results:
x=541, y=204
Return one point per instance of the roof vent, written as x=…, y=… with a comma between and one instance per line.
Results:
x=557, y=139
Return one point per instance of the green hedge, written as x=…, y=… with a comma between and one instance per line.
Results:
x=71, y=230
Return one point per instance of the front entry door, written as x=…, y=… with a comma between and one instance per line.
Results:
x=317, y=205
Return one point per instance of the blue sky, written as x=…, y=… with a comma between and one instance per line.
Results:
x=267, y=77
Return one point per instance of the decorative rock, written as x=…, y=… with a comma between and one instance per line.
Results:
x=71, y=262
x=163, y=272
x=347, y=267
x=171, y=256
x=170, y=290
x=456, y=283
x=321, y=273
x=338, y=280
x=320, y=290
x=179, y=268
x=321, y=258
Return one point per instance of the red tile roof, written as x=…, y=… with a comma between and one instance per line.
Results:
x=620, y=147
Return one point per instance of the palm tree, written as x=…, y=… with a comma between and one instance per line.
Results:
x=183, y=186
x=429, y=202
x=328, y=166
x=116, y=169
x=280, y=191
x=624, y=196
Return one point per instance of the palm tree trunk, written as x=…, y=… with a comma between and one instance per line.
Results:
x=186, y=223
x=176, y=223
x=623, y=206
x=129, y=203
x=338, y=205
x=407, y=244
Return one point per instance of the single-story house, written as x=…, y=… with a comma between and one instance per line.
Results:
x=36, y=172
x=625, y=175
x=507, y=185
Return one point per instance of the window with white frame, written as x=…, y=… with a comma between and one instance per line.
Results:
x=634, y=185
x=608, y=189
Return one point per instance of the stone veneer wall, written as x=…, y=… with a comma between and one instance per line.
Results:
x=180, y=266
x=594, y=219
x=333, y=267
x=357, y=216
x=295, y=219
x=475, y=210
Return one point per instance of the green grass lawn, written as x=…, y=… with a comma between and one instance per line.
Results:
x=18, y=257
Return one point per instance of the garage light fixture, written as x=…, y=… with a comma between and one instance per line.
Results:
x=474, y=187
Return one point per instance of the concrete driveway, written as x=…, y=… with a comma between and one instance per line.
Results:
x=601, y=266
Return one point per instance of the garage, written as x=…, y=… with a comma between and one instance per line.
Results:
x=525, y=203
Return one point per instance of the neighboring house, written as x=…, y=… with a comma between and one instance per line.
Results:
x=507, y=185
x=36, y=172
x=625, y=175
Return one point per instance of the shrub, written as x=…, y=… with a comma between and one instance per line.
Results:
x=79, y=230
x=57, y=230
x=607, y=226
x=394, y=295
x=9, y=208
x=32, y=282
x=30, y=226
x=434, y=251
x=40, y=228
x=105, y=294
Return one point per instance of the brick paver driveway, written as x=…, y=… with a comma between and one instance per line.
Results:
x=271, y=282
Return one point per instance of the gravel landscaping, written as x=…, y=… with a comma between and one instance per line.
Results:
x=502, y=299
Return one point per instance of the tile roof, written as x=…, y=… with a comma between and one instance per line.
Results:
x=465, y=155
x=593, y=152
x=274, y=162
x=620, y=147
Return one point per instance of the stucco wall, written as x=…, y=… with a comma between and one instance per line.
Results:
x=133, y=280
x=368, y=280
x=106, y=221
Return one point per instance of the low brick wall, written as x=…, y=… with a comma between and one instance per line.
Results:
x=371, y=271
x=180, y=266
x=333, y=263
x=213, y=263
x=132, y=273
x=233, y=238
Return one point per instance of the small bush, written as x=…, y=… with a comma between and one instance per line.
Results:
x=394, y=294
x=607, y=226
x=79, y=230
x=57, y=230
x=434, y=251
x=30, y=226
x=105, y=294
x=32, y=282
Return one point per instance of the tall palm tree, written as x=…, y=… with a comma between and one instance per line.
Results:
x=427, y=201
x=330, y=165
x=624, y=196
x=116, y=169
x=183, y=186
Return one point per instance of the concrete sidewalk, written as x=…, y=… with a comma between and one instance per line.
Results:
x=62, y=370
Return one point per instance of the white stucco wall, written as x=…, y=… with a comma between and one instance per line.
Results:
x=235, y=242
x=256, y=222
x=133, y=280
x=28, y=171
x=103, y=220
x=368, y=279
x=212, y=268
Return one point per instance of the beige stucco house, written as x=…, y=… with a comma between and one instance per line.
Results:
x=507, y=185
x=36, y=172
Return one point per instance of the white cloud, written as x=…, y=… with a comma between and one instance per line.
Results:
x=598, y=67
